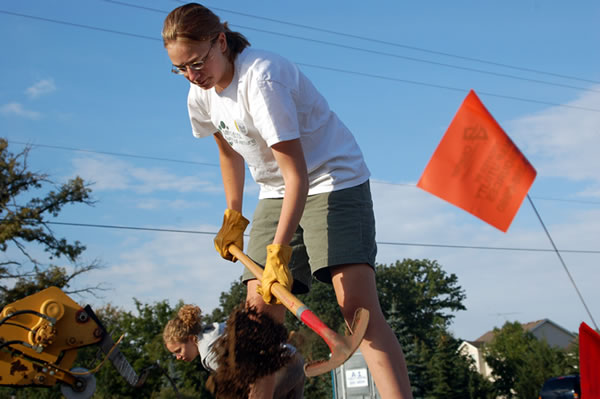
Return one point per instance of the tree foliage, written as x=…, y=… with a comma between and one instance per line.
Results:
x=419, y=298
x=521, y=363
x=437, y=369
x=422, y=293
x=25, y=226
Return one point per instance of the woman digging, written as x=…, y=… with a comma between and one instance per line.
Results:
x=315, y=213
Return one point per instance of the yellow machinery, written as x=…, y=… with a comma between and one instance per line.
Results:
x=39, y=338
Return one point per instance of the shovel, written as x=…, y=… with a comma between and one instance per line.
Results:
x=341, y=347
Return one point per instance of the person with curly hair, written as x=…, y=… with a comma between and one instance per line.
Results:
x=188, y=339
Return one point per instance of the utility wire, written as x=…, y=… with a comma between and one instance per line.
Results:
x=372, y=40
x=367, y=75
x=213, y=233
x=426, y=84
x=563, y=263
x=436, y=63
x=78, y=25
x=414, y=59
x=457, y=89
x=567, y=200
x=394, y=44
x=107, y=226
x=118, y=154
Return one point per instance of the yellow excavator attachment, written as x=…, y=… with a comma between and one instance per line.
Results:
x=39, y=338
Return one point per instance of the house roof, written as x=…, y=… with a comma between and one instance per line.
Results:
x=485, y=338
x=531, y=327
x=476, y=344
x=539, y=323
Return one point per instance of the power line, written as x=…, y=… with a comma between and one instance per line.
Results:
x=214, y=233
x=436, y=63
x=485, y=247
x=107, y=226
x=78, y=25
x=414, y=59
x=567, y=200
x=437, y=86
x=394, y=44
x=372, y=40
x=118, y=154
x=534, y=197
x=425, y=84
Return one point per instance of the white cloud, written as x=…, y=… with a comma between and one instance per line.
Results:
x=591, y=191
x=563, y=142
x=500, y=284
x=156, y=204
x=109, y=173
x=168, y=266
x=18, y=110
x=43, y=87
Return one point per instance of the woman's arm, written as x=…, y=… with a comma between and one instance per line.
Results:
x=290, y=158
x=233, y=173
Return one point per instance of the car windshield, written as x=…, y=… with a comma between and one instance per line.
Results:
x=560, y=384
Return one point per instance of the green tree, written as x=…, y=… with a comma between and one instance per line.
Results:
x=521, y=363
x=418, y=299
x=422, y=293
x=436, y=368
x=450, y=374
x=143, y=347
x=25, y=225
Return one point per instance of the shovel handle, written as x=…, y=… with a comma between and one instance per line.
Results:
x=341, y=347
x=293, y=304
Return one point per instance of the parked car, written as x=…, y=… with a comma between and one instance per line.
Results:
x=561, y=388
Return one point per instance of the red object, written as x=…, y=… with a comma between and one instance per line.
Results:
x=589, y=362
x=478, y=168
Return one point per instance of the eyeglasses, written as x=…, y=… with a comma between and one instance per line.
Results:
x=194, y=66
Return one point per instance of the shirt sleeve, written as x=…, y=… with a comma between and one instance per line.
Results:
x=202, y=125
x=273, y=109
x=206, y=340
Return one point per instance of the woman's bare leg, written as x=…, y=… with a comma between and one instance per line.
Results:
x=355, y=287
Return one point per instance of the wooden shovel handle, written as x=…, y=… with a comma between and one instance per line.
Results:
x=342, y=347
x=288, y=300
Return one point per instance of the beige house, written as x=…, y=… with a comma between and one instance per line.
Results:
x=544, y=329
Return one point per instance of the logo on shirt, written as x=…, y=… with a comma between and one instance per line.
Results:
x=236, y=136
x=240, y=126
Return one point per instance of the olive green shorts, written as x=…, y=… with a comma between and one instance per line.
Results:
x=337, y=228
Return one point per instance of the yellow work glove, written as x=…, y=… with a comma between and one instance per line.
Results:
x=232, y=232
x=276, y=271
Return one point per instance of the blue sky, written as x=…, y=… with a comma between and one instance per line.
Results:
x=88, y=84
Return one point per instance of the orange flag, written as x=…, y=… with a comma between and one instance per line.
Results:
x=478, y=168
x=589, y=361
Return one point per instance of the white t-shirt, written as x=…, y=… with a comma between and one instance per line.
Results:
x=269, y=101
x=206, y=340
